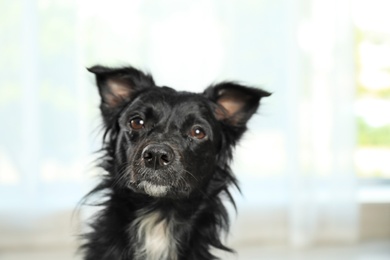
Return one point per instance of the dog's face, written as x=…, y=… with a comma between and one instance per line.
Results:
x=169, y=143
x=169, y=140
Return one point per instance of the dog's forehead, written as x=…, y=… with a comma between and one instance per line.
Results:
x=177, y=101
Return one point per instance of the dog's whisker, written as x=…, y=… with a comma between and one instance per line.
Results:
x=196, y=188
x=191, y=175
x=119, y=181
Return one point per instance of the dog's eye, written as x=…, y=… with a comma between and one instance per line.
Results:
x=137, y=123
x=197, y=132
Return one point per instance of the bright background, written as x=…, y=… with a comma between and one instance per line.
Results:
x=313, y=168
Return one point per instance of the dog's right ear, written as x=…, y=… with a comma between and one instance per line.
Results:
x=119, y=85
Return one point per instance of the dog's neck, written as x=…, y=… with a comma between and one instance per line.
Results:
x=155, y=237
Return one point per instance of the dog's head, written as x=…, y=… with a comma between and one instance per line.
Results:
x=166, y=143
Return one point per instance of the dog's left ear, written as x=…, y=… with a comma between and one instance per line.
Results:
x=119, y=85
x=235, y=103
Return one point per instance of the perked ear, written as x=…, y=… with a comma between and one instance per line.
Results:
x=235, y=103
x=118, y=85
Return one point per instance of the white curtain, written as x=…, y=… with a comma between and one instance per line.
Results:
x=323, y=186
x=297, y=157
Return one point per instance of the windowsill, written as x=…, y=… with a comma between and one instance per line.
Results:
x=374, y=194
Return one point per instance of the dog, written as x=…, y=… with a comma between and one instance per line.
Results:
x=166, y=158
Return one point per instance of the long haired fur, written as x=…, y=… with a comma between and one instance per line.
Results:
x=166, y=158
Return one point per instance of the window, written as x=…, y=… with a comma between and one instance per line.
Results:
x=373, y=89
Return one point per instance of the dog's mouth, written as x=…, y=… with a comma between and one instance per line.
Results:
x=154, y=190
x=161, y=183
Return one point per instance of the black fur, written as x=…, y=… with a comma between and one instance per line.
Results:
x=165, y=152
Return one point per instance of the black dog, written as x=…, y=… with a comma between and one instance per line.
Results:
x=166, y=158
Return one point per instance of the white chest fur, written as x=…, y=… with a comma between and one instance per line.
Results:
x=155, y=238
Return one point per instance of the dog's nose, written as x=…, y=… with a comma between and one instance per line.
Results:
x=157, y=155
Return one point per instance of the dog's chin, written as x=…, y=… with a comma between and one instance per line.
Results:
x=154, y=189
x=158, y=189
x=160, y=183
